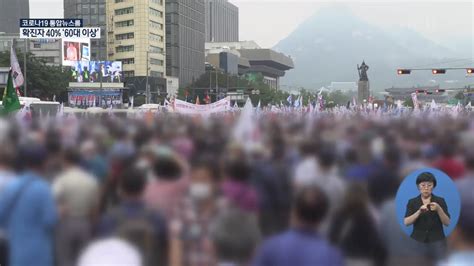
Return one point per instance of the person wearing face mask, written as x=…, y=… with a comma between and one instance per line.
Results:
x=196, y=213
x=427, y=212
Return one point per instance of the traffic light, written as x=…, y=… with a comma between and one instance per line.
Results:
x=439, y=71
x=404, y=72
x=470, y=71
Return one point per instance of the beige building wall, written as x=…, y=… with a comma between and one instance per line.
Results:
x=146, y=37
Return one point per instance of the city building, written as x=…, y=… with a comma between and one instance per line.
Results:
x=424, y=93
x=93, y=13
x=210, y=46
x=222, y=21
x=185, y=38
x=48, y=50
x=3, y=77
x=251, y=61
x=11, y=11
x=136, y=36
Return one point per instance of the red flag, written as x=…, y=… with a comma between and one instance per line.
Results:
x=208, y=99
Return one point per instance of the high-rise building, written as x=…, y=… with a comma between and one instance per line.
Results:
x=11, y=11
x=222, y=21
x=93, y=14
x=136, y=36
x=185, y=32
x=47, y=50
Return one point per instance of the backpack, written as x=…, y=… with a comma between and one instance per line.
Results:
x=140, y=231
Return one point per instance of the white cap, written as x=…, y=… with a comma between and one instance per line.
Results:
x=110, y=252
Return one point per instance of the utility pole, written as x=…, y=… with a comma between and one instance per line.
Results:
x=24, y=62
x=147, y=89
x=217, y=87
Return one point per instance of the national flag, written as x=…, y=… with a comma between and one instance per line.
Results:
x=10, y=101
x=18, y=79
x=290, y=99
x=297, y=102
x=321, y=102
x=207, y=99
x=414, y=98
x=60, y=112
x=433, y=105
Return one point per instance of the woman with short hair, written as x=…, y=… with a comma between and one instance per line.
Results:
x=427, y=212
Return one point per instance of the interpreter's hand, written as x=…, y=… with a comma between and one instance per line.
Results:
x=434, y=206
x=424, y=208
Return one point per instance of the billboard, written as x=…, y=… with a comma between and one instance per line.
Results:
x=74, y=50
x=96, y=71
x=94, y=98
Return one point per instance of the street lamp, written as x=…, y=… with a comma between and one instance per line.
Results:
x=147, y=88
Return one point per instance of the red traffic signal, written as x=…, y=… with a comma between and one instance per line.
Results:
x=439, y=71
x=470, y=71
x=404, y=71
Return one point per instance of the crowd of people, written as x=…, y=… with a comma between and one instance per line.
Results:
x=188, y=190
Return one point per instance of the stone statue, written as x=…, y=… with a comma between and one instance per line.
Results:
x=363, y=71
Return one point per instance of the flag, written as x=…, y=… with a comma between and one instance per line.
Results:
x=18, y=79
x=197, y=100
x=290, y=99
x=166, y=103
x=433, y=105
x=321, y=102
x=60, y=113
x=311, y=107
x=297, y=102
x=414, y=98
x=207, y=99
x=10, y=102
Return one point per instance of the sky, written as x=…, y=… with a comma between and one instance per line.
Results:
x=269, y=21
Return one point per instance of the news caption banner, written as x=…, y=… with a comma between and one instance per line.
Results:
x=56, y=29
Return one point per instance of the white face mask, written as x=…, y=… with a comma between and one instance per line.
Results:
x=200, y=191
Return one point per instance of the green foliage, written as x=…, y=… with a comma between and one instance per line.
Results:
x=43, y=81
x=408, y=102
x=139, y=100
x=254, y=82
x=459, y=96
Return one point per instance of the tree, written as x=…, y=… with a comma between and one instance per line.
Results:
x=408, y=102
x=248, y=83
x=460, y=96
x=43, y=81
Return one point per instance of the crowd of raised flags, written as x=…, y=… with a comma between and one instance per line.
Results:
x=315, y=106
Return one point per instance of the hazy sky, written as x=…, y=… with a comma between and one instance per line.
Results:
x=269, y=21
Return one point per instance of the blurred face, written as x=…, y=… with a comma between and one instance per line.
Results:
x=202, y=186
x=426, y=188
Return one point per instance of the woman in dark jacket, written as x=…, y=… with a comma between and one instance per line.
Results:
x=427, y=212
x=354, y=229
